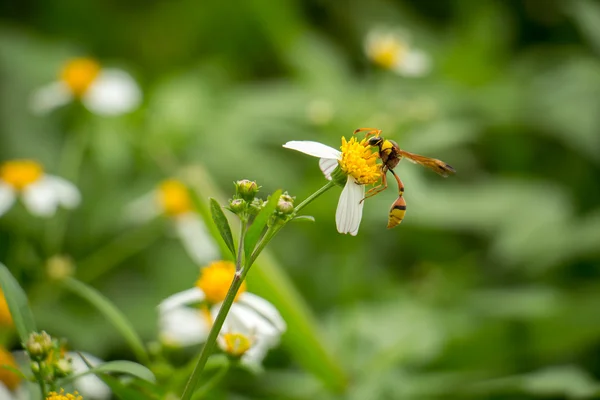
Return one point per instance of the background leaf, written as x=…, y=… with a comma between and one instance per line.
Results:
x=17, y=304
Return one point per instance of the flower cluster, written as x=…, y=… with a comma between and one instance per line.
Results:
x=253, y=324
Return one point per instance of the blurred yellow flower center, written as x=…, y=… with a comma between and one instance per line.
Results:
x=7, y=377
x=79, y=74
x=387, y=52
x=174, y=198
x=20, y=173
x=236, y=344
x=63, y=396
x=359, y=161
x=215, y=280
x=5, y=317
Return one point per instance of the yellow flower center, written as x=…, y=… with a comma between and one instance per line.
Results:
x=79, y=74
x=236, y=344
x=387, y=52
x=215, y=280
x=63, y=396
x=359, y=161
x=7, y=377
x=174, y=198
x=5, y=317
x=20, y=173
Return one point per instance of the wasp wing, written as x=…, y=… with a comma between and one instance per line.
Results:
x=437, y=166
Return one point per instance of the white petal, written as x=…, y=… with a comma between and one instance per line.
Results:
x=414, y=63
x=49, y=97
x=264, y=308
x=181, y=299
x=5, y=393
x=327, y=166
x=243, y=318
x=314, y=149
x=142, y=209
x=89, y=386
x=41, y=198
x=195, y=238
x=349, y=209
x=183, y=327
x=113, y=92
x=68, y=195
x=7, y=197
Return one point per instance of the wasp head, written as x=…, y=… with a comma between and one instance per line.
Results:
x=375, y=141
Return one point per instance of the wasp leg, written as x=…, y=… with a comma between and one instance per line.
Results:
x=377, y=189
x=370, y=131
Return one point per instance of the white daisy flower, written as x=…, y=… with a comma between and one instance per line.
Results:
x=171, y=198
x=41, y=193
x=103, y=91
x=392, y=50
x=186, y=317
x=357, y=168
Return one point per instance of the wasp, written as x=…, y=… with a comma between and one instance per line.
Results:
x=391, y=154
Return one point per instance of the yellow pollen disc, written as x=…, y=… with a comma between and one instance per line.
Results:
x=215, y=280
x=359, y=161
x=174, y=198
x=63, y=396
x=236, y=344
x=5, y=317
x=20, y=173
x=388, y=52
x=79, y=74
x=7, y=377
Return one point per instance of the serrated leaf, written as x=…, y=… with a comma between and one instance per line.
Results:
x=112, y=314
x=260, y=222
x=17, y=304
x=222, y=224
x=304, y=218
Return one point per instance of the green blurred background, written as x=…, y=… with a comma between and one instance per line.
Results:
x=489, y=289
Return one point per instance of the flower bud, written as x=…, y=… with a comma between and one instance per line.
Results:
x=39, y=345
x=35, y=367
x=285, y=205
x=59, y=267
x=246, y=189
x=256, y=205
x=63, y=368
x=237, y=206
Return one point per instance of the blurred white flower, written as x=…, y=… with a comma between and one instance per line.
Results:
x=89, y=386
x=41, y=193
x=171, y=198
x=10, y=383
x=357, y=166
x=186, y=317
x=103, y=91
x=392, y=50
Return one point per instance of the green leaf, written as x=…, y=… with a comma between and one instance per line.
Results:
x=260, y=222
x=120, y=367
x=303, y=338
x=112, y=314
x=125, y=392
x=222, y=224
x=304, y=218
x=17, y=304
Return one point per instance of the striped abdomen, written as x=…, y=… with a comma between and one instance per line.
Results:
x=397, y=212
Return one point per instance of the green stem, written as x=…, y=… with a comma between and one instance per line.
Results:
x=214, y=332
x=40, y=381
x=210, y=385
x=313, y=196
x=238, y=262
